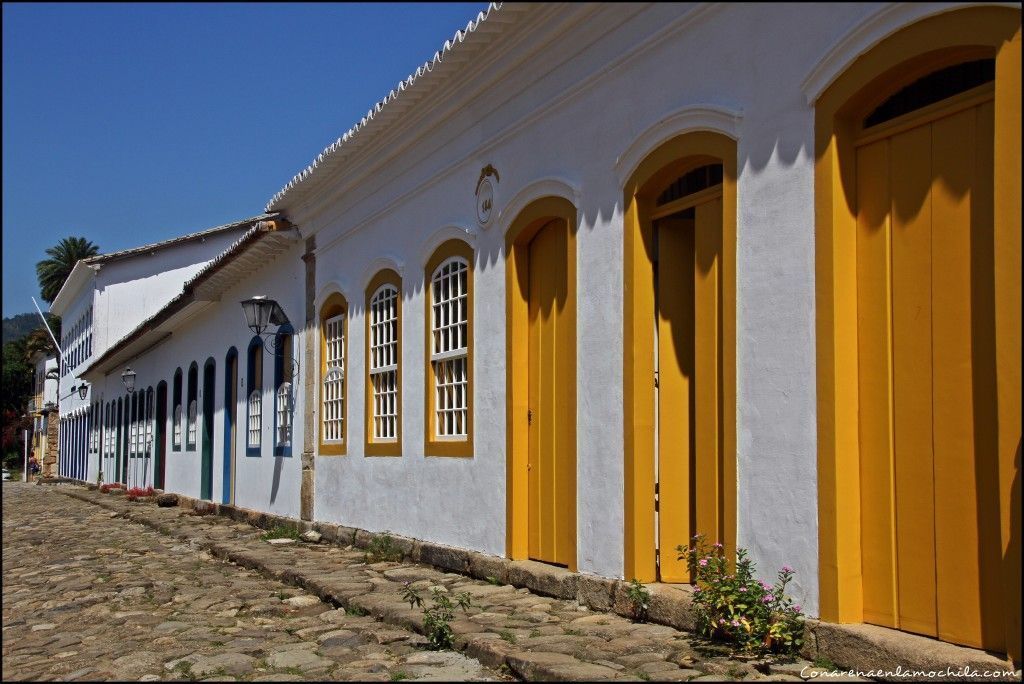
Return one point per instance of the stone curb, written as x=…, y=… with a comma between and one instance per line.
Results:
x=852, y=646
x=490, y=652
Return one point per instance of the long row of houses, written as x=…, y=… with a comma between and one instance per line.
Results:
x=600, y=277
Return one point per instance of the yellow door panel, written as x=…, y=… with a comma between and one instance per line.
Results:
x=707, y=413
x=675, y=394
x=551, y=465
x=912, y=378
x=874, y=295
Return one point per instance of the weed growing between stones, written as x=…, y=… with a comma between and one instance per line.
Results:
x=508, y=636
x=737, y=607
x=398, y=676
x=280, y=532
x=382, y=548
x=437, y=618
x=493, y=581
x=639, y=600
x=825, y=663
x=355, y=611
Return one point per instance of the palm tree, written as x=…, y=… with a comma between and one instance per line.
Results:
x=39, y=341
x=64, y=255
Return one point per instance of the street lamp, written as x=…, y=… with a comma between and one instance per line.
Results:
x=83, y=391
x=128, y=378
x=262, y=312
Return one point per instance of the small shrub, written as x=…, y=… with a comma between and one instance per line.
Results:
x=508, y=636
x=280, y=532
x=639, y=599
x=493, y=581
x=382, y=548
x=737, y=607
x=355, y=611
x=437, y=618
x=111, y=485
x=398, y=676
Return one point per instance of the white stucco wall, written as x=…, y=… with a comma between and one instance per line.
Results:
x=130, y=290
x=565, y=117
x=267, y=482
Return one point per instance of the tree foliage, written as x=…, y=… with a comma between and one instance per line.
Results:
x=54, y=271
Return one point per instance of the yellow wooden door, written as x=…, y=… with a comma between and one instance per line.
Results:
x=689, y=462
x=552, y=464
x=929, y=487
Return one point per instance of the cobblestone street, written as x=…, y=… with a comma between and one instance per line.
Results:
x=90, y=593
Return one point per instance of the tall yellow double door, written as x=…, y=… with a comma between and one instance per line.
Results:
x=927, y=373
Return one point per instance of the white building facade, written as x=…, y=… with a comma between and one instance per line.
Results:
x=599, y=278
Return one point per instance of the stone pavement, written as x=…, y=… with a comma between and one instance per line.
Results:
x=245, y=625
x=89, y=595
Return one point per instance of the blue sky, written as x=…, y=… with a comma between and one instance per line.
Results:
x=133, y=123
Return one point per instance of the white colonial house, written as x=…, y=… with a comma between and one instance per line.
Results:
x=104, y=298
x=600, y=277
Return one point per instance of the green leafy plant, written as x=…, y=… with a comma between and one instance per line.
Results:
x=736, y=606
x=507, y=635
x=354, y=610
x=493, y=581
x=437, y=618
x=639, y=599
x=280, y=532
x=382, y=548
x=398, y=676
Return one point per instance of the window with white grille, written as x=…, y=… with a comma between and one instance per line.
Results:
x=333, y=409
x=177, y=426
x=384, y=362
x=449, y=350
x=284, y=414
x=191, y=437
x=148, y=446
x=255, y=427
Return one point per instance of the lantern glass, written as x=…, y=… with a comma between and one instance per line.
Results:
x=257, y=313
x=83, y=391
x=128, y=378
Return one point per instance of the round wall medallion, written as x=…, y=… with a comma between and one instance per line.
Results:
x=484, y=201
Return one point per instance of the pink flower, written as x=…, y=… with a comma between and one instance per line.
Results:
x=703, y=562
x=717, y=545
x=768, y=598
x=786, y=568
x=735, y=623
x=721, y=621
x=743, y=588
x=765, y=586
x=797, y=607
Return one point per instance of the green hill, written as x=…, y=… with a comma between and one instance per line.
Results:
x=18, y=326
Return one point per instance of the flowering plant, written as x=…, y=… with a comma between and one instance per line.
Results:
x=138, y=492
x=738, y=607
x=110, y=485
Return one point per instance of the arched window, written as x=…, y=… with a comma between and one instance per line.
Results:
x=449, y=307
x=133, y=425
x=333, y=338
x=148, y=445
x=254, y=392
x=177, y=414
x=193, y=382
x=384, y=364
x=283, y=404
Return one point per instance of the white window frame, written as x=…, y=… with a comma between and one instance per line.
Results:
x=193, y=410
x=284, y=415
x=254, y=430
x=176, y=426
x=449, y=348
x=384, y=363
x=332, y=399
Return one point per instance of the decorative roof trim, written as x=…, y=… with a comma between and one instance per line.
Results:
x=260, y=228
x=124, y=253
x=374, y=113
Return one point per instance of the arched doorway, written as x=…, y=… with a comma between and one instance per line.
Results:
x=540, y=267
x=918, y=277
x=679, y=352
x=209, y=392
x=230, y=419
x=160, y=436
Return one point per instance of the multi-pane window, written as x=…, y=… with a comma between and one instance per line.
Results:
x=384, y=362
x=284, y=414
x=255, y=428
x=148, y=447
x=333, y=397
x=177, y=427
x=191, y=437
x=254, y=398
x=449, y=354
